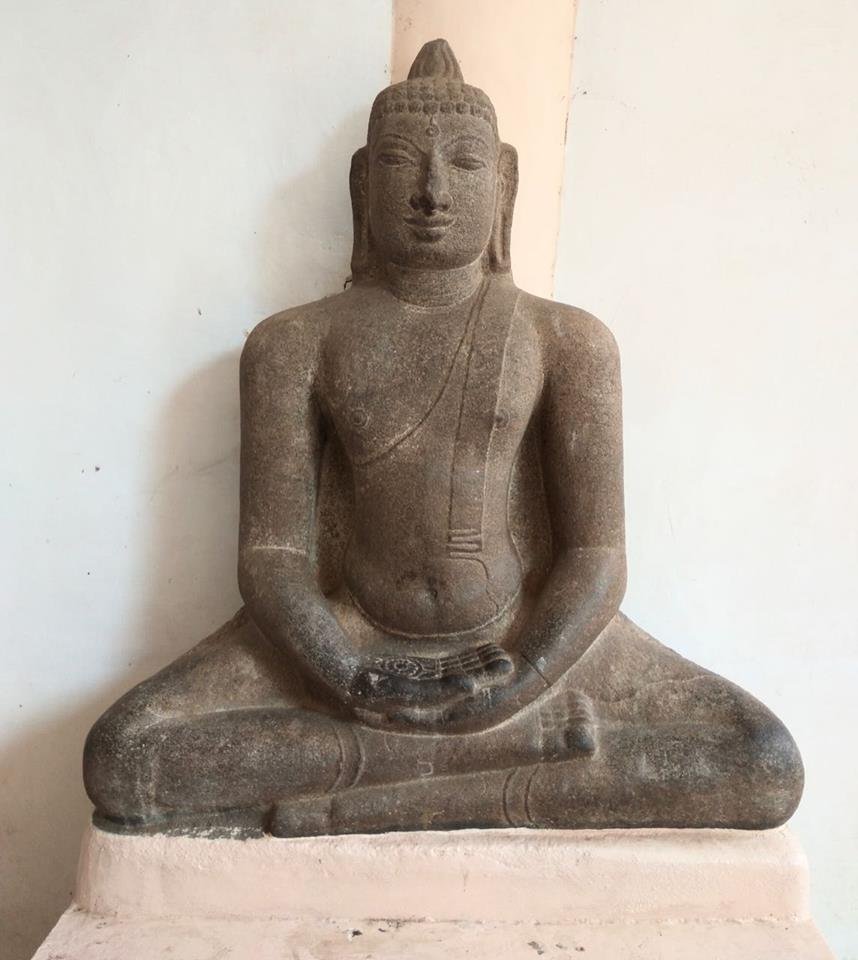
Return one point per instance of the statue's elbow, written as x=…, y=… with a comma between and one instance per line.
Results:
x=246, y=582
x=273, y=580
x=608, y=575
x=618, y=580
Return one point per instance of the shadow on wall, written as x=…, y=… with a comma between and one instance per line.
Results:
x=187, y=562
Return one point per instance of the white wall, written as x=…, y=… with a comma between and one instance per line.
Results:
x=170, y=173
x=710, y=217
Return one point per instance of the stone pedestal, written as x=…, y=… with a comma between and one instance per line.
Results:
x=484, y=895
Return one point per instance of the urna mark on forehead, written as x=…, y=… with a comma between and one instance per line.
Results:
x=434, y=98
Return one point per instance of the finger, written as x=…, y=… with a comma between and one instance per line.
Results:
x=499, y=667
x=461, y=668
x=502, y=666
x=460, y=662
x=471, y=666
x=492, y=652
x=489, y=649
x=491, y=676
x=496, y=659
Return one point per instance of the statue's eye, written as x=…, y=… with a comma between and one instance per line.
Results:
x=468, y=161
x=393, y=159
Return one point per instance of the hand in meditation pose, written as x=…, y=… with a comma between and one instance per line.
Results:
x=432, y=555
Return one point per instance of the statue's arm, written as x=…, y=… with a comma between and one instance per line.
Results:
x=582, y=467
x=281, y=448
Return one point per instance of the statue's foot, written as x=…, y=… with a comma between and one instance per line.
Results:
x=568, y=726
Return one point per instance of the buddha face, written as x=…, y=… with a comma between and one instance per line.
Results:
x=432, y=186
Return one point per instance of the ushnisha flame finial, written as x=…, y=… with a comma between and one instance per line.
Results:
x=436, y=61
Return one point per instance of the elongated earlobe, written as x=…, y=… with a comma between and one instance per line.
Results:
x=363, y=258
x=499, y=245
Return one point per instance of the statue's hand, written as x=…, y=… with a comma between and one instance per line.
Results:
x=431, y=683
x=522, y=686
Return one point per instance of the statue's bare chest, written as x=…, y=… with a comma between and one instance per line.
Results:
x=393, y=371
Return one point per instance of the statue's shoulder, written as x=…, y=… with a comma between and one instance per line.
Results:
x=295, y=332
x=569, y=334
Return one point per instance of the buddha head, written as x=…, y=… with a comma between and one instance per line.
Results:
x=434, y=187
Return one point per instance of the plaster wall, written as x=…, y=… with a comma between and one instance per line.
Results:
x=710, y=218
x=170, y=174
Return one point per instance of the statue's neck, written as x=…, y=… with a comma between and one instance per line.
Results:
x=433, y=288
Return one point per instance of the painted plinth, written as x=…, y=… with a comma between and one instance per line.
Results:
x=495, y=894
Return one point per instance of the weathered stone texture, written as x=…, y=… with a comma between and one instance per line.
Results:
x=432, y=554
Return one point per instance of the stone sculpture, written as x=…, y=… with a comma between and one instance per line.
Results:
x=432, y=556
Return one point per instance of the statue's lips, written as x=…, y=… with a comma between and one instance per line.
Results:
x=430, y=228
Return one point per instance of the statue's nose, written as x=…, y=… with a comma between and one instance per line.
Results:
x=432, y=195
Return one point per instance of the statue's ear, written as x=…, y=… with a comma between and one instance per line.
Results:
x=499, y=258
x=363, y=259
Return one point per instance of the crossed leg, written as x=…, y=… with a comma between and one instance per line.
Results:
x=227, y=730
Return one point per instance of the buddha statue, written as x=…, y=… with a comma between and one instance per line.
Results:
x=432, y=555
